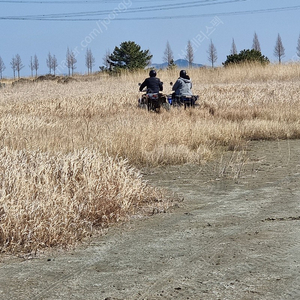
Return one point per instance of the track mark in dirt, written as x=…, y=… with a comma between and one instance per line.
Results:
x=246, y=267
x=210, y=257
x=282, y=219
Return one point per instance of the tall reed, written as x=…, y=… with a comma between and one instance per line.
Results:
x=69, y=153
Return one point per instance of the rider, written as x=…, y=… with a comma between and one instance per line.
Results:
x=153, y=84
x=183, y=85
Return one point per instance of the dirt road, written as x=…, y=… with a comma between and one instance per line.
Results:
x=228, y=239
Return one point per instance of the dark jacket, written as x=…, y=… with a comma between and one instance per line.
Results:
x=182, y=87
x=153, y=84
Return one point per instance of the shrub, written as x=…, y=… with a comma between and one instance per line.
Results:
x=246, y=56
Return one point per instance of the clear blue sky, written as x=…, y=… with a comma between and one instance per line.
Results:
x=39, y=27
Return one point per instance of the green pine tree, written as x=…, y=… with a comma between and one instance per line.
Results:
x=129, y=56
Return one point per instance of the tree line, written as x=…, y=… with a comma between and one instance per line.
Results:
x=279, y=51
x=130, y=56
x=51, y=62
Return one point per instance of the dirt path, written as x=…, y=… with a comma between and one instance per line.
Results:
x=227, y=240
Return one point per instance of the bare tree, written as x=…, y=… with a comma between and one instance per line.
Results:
x=298, y=47
x=233, y=48
x=68, y=61
x=212, y=53
x=89, y=60
x=31, y=66
x=190, y=53
x=35, y=64
x=18, y=64
x=256, y=44
x=2, y=67
x=73, y=61
x=13, y=66
x=106, y=60
x=279, y=50
x=54, y=64
x=168, y=54
x=49, y=62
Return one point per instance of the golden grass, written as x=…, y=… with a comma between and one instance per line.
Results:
x=56, y=200
x=67, y=150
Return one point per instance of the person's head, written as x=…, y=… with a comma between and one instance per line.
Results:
x=152, y=73
x=182, y=74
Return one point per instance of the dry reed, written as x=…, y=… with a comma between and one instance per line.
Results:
x=67, y=149
x=59, y=200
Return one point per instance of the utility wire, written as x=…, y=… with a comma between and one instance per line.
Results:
x=66, y=17
x=98, y=13
x=77, y=2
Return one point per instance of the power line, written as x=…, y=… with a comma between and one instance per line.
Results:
x=68, y=16
x=76, y=2
x=126, y=11
x=164, y=7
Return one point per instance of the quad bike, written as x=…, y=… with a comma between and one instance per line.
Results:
x=181, y=100
x=153, y=101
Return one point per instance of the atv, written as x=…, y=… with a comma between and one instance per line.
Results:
x=180, y=100
x=153, y=101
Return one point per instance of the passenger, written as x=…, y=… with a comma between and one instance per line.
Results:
x=183, y=85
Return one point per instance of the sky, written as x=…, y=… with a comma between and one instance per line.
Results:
x=35, y=27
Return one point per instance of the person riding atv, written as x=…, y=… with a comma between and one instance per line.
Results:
x=183, y=85
x=182, y=91
x=153, y=99
x=153, y=84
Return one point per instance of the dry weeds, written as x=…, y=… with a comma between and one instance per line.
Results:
x=67, y=149
x=58, y=200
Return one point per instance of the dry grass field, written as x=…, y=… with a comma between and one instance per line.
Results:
x=70, y=153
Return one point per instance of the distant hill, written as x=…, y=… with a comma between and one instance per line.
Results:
x=181, y=63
